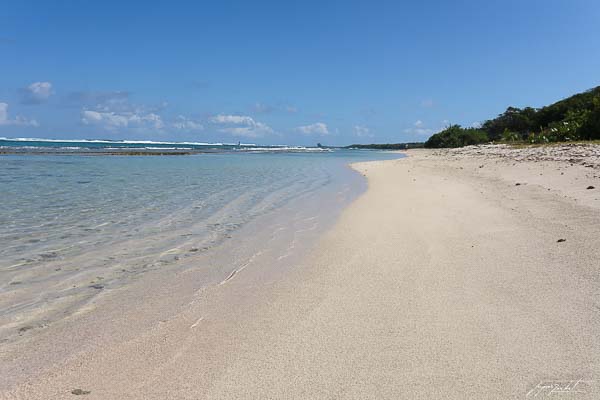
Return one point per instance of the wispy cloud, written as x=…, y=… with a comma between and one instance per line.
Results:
x=362, y=131
x=263, y=108
x=318, y=128
x=113, y=120
x=241, y=125
x=420, y=129
x=114, y=111
x=110, y=101
x=186, y=124
x=100, y=100
x=36, y=93
x=17, y=121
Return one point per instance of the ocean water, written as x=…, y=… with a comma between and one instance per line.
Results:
x=74, y=226
x=99, y=146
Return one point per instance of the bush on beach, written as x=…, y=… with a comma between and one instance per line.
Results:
x=457, y=136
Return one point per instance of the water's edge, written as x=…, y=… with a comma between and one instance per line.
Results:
x=271, y=241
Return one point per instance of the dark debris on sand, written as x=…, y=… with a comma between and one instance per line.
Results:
x=79, y=392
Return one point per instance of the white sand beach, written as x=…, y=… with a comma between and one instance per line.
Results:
x=458, y=274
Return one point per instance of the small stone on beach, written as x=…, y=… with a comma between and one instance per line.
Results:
x=561, y=240
x=590, y=187
x=25, y=328
x=78, y=392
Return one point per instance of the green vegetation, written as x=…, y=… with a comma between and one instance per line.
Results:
x=571, y=119
x=387, y=146
x=457, y=136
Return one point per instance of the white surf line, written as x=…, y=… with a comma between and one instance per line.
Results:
x=289, y=253
x=171, y=251
x=16, y=265
x=240, y=269
x=293, y=244
x=307, y=229
x=197, y=296
x=228, y=278
x=195, y=324
x=274, y=236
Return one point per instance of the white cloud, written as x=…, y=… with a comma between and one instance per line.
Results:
x=116, y=100
x=362, y=131
x=17, y=121
x=232, y=119
x=113, y=111
x=113, y=120
x=37, y=93
x=420, y=129
x=262, y=108
x=241, y=125
x=318, y=128
x=116, y=106
x=186, y=124
x=154, y=120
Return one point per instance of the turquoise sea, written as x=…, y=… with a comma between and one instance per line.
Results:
x=73, y=224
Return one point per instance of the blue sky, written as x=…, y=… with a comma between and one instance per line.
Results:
x=335, y=72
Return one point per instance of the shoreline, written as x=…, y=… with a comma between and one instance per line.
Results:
x=443, y=279
x=267, y=243
x=43, y=285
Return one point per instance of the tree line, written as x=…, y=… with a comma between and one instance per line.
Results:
x=574, y=118
x=387, y=146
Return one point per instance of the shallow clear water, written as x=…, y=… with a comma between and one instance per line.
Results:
x=71, y=224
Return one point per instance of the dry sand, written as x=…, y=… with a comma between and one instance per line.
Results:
x=444, y=280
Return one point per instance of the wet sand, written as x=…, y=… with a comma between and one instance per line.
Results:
x=453, y=276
